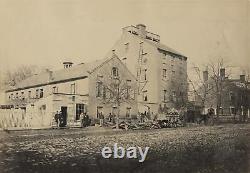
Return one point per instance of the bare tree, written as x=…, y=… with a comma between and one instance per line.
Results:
x=116, y=91
x=211, y=87
x=12, y=77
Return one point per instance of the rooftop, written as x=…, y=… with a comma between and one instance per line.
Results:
x=51, y=77
x=152, y=38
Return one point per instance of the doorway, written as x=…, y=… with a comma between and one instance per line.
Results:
x=63, y=121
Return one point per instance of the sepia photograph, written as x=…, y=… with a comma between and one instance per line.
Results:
x=125, y=86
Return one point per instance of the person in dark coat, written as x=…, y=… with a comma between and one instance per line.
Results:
x=211, y=114
x=56, y=117
x=85, y=120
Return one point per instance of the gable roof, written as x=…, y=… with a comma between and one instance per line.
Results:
x=164, y=47
x=160, y=46
x=79, y=71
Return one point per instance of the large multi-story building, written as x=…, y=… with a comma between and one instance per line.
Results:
x=161, y=71
x=104, y=86
x=142, y=75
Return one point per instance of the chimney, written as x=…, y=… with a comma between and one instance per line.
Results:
x=141, y=30
x=222, y=73
x=67, y=64
x=242, y=78
x=205, y=75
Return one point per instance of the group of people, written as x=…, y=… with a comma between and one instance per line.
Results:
x=85, y=120
x=111, y=118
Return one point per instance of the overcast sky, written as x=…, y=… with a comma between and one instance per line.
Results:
x=47, y=32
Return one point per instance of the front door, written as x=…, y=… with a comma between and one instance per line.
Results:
x=63, y=121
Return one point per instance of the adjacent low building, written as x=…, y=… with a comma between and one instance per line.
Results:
x=105, y=86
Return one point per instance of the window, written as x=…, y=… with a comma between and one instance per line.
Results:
x=128, y=112
x=174, y=96
x=73, y=88
x=29, y=94
x=37, y=93
x=115, y=72
x=145, y=74
x=12, y=97
x=22, y=95
x=164, y=95
x=98, y=89
x=231, y=96
x=55, y=89
x=232, y=110
x=164, y=73
x=138, y=73
x=104, y=93
x=145, y=97
x=41, y=93
x=79, y=110
x=16, y=95
x=128, y=89
x=127, y=92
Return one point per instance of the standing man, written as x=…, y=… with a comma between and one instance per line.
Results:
x=57, y=118
x=101, y=117
x=81, y=119
x=60, y=122
x=211, y=114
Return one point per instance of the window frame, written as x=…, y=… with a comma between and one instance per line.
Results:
x=114, y=72
x=80, y=108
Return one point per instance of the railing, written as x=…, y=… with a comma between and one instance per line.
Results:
x=149, y=35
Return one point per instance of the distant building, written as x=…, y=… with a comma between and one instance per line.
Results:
x=161, y=71
x=76, y=89
x=233, y=96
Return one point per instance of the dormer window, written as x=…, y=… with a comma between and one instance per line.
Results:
x=115, y=72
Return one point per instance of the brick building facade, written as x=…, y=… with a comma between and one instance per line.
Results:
x=161, y=71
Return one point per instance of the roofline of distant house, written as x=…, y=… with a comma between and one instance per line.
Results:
x=48, y=83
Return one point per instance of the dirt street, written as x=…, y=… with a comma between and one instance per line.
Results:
x=217, y=149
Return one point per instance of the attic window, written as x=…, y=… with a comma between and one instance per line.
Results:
x=115, y=72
